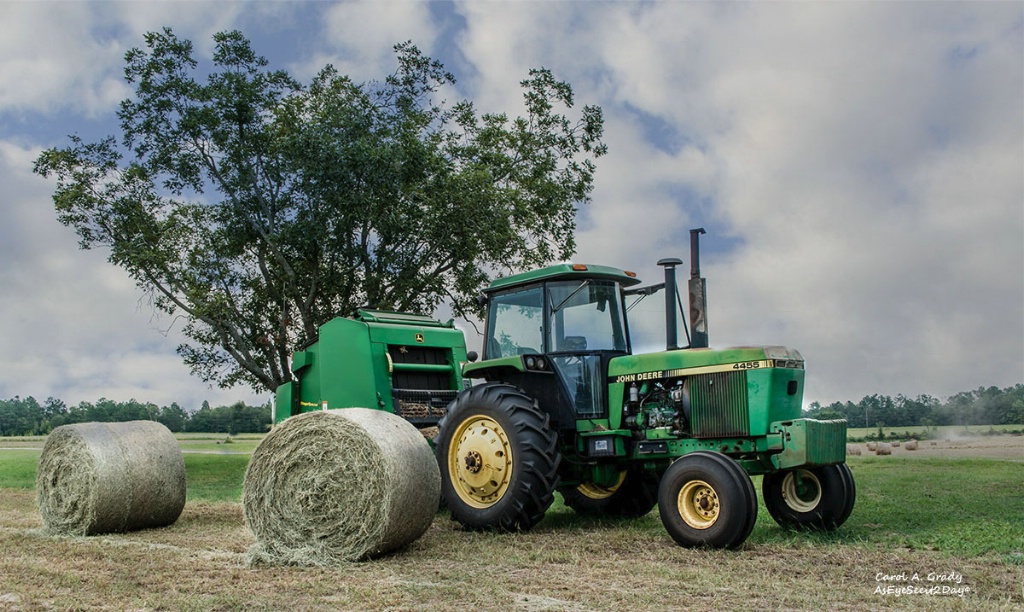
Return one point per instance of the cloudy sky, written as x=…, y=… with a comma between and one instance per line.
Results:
x=859, y=167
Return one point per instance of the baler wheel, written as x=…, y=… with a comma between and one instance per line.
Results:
x=498, y=458
x=814, y=499
x=707, y=499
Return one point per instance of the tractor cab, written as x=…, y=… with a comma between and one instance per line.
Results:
x=552, y=333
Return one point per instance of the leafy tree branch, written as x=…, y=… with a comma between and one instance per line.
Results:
x=256, y=208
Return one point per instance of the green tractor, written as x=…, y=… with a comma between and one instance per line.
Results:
x=565, y=406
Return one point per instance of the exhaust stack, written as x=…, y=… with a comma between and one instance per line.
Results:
x=698, y=295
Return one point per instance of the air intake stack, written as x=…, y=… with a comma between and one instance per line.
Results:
x=698, y=296
x=671, y=335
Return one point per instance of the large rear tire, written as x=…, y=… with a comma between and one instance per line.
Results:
x=498, y=458
x=812, y=499
x=633, y=496
x=707, y=499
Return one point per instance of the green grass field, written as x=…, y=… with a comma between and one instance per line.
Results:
x=914, y=513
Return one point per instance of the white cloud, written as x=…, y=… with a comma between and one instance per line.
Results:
x=74, y=326
x=70, y=55
x=50, y=60
x=358, y=37
x=879, y=209
x=867, y=159
x=860, y=167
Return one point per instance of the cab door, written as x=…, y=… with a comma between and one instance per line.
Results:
x=585, y=330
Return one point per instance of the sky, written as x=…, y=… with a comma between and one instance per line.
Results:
x=858, y=167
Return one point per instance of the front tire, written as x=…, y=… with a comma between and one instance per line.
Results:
x=633, y=496
x=707, y=499
x=498, y=458
x=812, y=499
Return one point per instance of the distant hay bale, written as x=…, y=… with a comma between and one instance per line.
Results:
x=884, y=448
x=852, y=450
x=896, y=444
x=329, y=487
x=911, y=445
x=96, y=478
x=872, y=446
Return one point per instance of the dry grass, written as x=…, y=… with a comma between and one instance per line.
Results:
x=564, y=564
x=567, y=562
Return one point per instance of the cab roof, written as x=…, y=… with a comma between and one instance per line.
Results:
x=566, y=271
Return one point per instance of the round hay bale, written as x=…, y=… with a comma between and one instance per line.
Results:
x=96, y=478
x=852, y=450
x=872, y=446
x=329, y=487
x=884, y=448
x=896, y=444
x=911, y=445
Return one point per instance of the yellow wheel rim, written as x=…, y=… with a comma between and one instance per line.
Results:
x=596, y=491
x=803, y=496
x=698, y=504
x=480, y=461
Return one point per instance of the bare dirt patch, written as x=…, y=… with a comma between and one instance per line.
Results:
x=985, y=447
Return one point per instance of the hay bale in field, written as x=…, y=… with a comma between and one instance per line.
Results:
x=896, y=444
x=884, y=448
x=872, y=446
x=329, y=487
x=98, y=478
x=852, y=450
x=911, y=445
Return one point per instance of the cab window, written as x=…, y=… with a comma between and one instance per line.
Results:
x=516, y=323
x=586, y=316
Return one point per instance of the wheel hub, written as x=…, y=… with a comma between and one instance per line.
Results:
x=698, y=504
x=474, y=463
x=801, y=492
x=480, y=461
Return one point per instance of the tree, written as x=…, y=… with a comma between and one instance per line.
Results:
x=173, y=417
x=256, y=208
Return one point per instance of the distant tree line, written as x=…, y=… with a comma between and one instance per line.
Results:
x=983, y=406
x=27, y=417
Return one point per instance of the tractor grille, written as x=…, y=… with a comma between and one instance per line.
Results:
x=718, y=405
x=422, y=407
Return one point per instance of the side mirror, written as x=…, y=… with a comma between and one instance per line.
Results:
x=472, y=356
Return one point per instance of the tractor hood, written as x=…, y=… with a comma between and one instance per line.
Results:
x=688, y=362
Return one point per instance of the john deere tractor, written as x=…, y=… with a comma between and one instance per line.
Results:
x=566, y=406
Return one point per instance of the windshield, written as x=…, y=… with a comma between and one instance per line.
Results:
x=585, y=316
